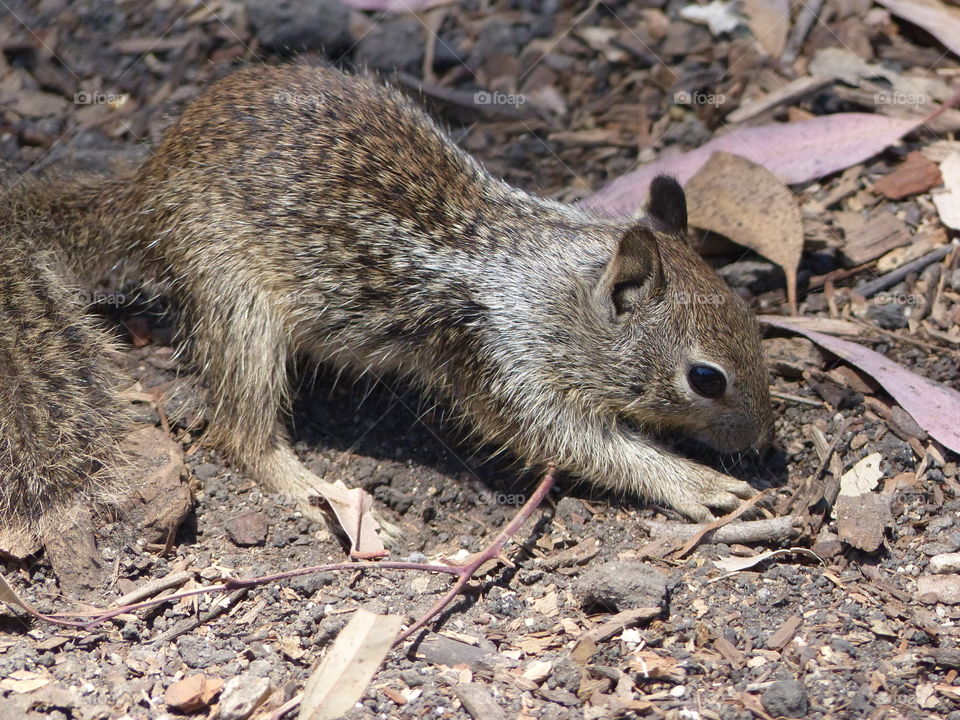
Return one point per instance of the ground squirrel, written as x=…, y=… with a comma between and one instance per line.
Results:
x=299, y=210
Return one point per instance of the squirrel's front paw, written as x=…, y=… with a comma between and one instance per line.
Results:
x=708, y=489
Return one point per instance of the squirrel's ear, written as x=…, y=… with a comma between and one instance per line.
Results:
x=635, y=272
x=668, y=204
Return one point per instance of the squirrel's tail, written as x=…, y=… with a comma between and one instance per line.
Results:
x=79, y=218
x=60, y=408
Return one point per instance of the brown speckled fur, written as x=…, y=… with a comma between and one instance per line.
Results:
x=61, y=417
x=299, y=210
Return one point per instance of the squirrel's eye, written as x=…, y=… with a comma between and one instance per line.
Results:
x=707, y=381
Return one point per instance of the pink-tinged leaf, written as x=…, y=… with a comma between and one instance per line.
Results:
x=794, y=152
x=394, y=5
x=934, y=406
x=939, y=20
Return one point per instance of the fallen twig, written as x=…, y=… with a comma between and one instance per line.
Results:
x=872, y=287
x=491, y=552
x=463, y=572
x=777, y=529
x=705, y=530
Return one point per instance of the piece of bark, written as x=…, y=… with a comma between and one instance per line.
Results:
x=192, y=693
x=863, y=519
x=163, y=500
x=916, y=174
x=869, y=239
x=74, y=556
x=784, y=634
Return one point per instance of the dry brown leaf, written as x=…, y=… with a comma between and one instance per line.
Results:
x=748, y=204
x=344, y=673
x=193, y=693
x=736, y=564
x=769, y=21
x=353, y=510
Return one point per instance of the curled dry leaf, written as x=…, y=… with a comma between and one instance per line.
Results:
x=939, y=20
x=934, y=406
x=352, y=507
x=8, y=596
x=748, y=204
x=736, y=564
x=794, y=152
x=344, y=673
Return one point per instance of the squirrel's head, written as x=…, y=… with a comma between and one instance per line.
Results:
x=684, y=350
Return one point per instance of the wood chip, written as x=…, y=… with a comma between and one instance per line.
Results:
x=784, y=634
x=193, y=693
x=730, y=653
x=868, y=239
x=862, y=520
x=914, y=175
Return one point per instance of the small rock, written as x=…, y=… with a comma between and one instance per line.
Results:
x=785, y=698
x=756, y=276
x=572, y=510
x=293, y=25
x=205, y=471
x=891, y=316
x=394, y=43
x=827, y=544
x=193, y=693
x=441, y=650
x=622, y=584
x=242, y=695
x=248, y=529
x=954, y=279
x=411, y=677
x=938, y=588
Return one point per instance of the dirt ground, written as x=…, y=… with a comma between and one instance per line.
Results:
x=857, y=630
